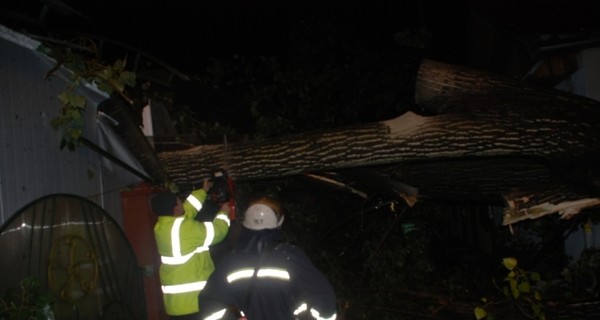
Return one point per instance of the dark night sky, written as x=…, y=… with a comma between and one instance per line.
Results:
x=185, y=33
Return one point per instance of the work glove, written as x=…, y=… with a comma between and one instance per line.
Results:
x=208, y=211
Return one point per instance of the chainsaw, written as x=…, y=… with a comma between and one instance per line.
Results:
x=223, y=191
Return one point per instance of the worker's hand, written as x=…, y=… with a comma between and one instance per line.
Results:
x=207, y=184
x=225, y=208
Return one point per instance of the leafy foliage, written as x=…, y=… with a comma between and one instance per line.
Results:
x=583, y=276
x=26, y=303
x=523, y=288
x=325, y=80
x=79, y=57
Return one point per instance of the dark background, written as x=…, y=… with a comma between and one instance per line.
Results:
x=185, y=34
x=362, y=247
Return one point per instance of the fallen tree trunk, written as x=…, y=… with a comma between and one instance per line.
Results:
x=442, y=87
x=408, y=138
x=478, y=120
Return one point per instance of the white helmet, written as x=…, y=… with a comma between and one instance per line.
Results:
x=262, y=214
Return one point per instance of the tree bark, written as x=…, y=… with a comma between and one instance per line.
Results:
x=442, y=86
x=487, y=137
x=407, y=138
x=134, y=138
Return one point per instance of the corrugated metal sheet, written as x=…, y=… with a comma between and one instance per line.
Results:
x=31, y=163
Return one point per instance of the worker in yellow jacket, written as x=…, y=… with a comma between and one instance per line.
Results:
x=183, y=244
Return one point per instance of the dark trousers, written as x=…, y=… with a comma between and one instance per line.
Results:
x=191, y=316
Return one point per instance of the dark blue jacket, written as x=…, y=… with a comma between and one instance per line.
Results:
x=267, y=278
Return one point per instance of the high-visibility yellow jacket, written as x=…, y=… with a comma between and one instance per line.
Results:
x=183, y=244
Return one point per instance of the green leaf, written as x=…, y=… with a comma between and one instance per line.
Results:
x=116, y=85
x=78, y=101
x=119, y=64
x=480, y=313
x=127, y=78
x=73, y=113
x=104, y=86
x=107, y=73
x=64, y=97
x=510, y=263
x=535, y=276
x=75, y=133
x=524, y=287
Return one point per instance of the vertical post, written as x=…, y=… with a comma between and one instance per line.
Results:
x=138, y=222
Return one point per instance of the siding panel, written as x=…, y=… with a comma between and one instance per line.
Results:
x=31, y=164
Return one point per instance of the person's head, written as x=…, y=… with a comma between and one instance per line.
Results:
x=166, y=204
x=263, y=213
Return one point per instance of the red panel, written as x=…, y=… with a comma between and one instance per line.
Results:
x=138, y=221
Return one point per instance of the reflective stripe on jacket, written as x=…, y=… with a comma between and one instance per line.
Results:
x=281, y=283
x=183, y=244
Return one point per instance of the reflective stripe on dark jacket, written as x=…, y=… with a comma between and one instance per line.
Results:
x=269, y=285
